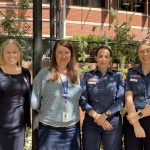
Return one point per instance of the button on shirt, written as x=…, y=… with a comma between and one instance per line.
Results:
x=102, y=92
x=139, y=84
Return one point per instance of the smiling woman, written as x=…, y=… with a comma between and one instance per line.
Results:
x=102, y=99
x=137, y=98
x=14, y=97
x=11, y=56
x=56, y=93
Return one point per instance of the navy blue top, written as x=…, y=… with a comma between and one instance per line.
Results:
x=13, y=101
x=139, y=84
x=102, y=92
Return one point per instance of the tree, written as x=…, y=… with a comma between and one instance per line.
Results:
x=125, y=45
x=14, y=26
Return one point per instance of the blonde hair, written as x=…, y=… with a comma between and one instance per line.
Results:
x=10, y=41
x=146, y=41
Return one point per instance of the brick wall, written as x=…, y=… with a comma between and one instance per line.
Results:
x=85, y=21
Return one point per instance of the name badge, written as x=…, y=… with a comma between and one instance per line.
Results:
x=90, y=82
x=64, y=117
x=134, y=80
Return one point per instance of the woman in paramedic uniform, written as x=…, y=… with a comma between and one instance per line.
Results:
x=102, y=100
x=137, y=98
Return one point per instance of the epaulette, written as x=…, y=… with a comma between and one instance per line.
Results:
x=130, y=68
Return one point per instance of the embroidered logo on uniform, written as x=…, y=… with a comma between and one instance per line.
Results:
x=135, y=76
x=92, y=81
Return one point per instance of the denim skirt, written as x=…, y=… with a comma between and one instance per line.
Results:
x=59, y=138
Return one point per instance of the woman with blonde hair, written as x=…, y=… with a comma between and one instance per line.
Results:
x=137, y=98
x=14, y=97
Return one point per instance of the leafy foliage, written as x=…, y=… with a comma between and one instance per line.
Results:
x=125, y=44
x=28, y=139
x=23, y=4
x=9, y=26
x=14, y=26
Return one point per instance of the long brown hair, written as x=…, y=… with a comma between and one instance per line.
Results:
x=10, y=41
x=71, y=67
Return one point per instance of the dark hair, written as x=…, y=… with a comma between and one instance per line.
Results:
x=117, y=61
x=71, y=67
x=103, y=47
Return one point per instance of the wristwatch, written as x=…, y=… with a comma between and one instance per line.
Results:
x=108, y=113
x=140, y=114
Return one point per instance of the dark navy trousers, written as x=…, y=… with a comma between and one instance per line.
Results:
x=130, y=140
x=59, y=138
x=93, y=135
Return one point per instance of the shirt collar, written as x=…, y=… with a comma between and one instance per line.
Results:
x=109, y=71
x=139, y=69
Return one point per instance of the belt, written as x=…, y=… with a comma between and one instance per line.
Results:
x=44, y=125
x=52, y=127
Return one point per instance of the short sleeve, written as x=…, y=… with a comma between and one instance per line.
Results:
x=127, y=82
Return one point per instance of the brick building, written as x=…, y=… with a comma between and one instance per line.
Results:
x=91, y=17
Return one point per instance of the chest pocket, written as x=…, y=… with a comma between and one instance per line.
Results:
x=94, y=86
x=137, y=86
x=103, y=88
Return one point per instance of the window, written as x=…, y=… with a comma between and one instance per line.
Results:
x=80, y=2
x=97, y=3
x=45, y=1
x=90, y=3
x=132, y=5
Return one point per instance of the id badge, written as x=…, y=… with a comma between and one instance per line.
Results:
x=64, y=117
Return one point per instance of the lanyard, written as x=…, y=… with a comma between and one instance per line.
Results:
x=65, y=95
x=65, y=86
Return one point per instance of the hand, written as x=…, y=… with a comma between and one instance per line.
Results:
x=93, y=114
x=100, y=119
x=138, y=130
x=133, y=118
x=107, y=126
x=146, y=111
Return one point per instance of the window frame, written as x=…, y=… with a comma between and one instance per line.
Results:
x=129, y=5
x=89, y=3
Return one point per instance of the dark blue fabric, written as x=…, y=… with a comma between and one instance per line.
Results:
x=139, y=84
x=59, y=138
x=12, y=141
x=13, y=107
x=102, y=92
x=130, y=140
x=27, y=76
x=93, y=135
